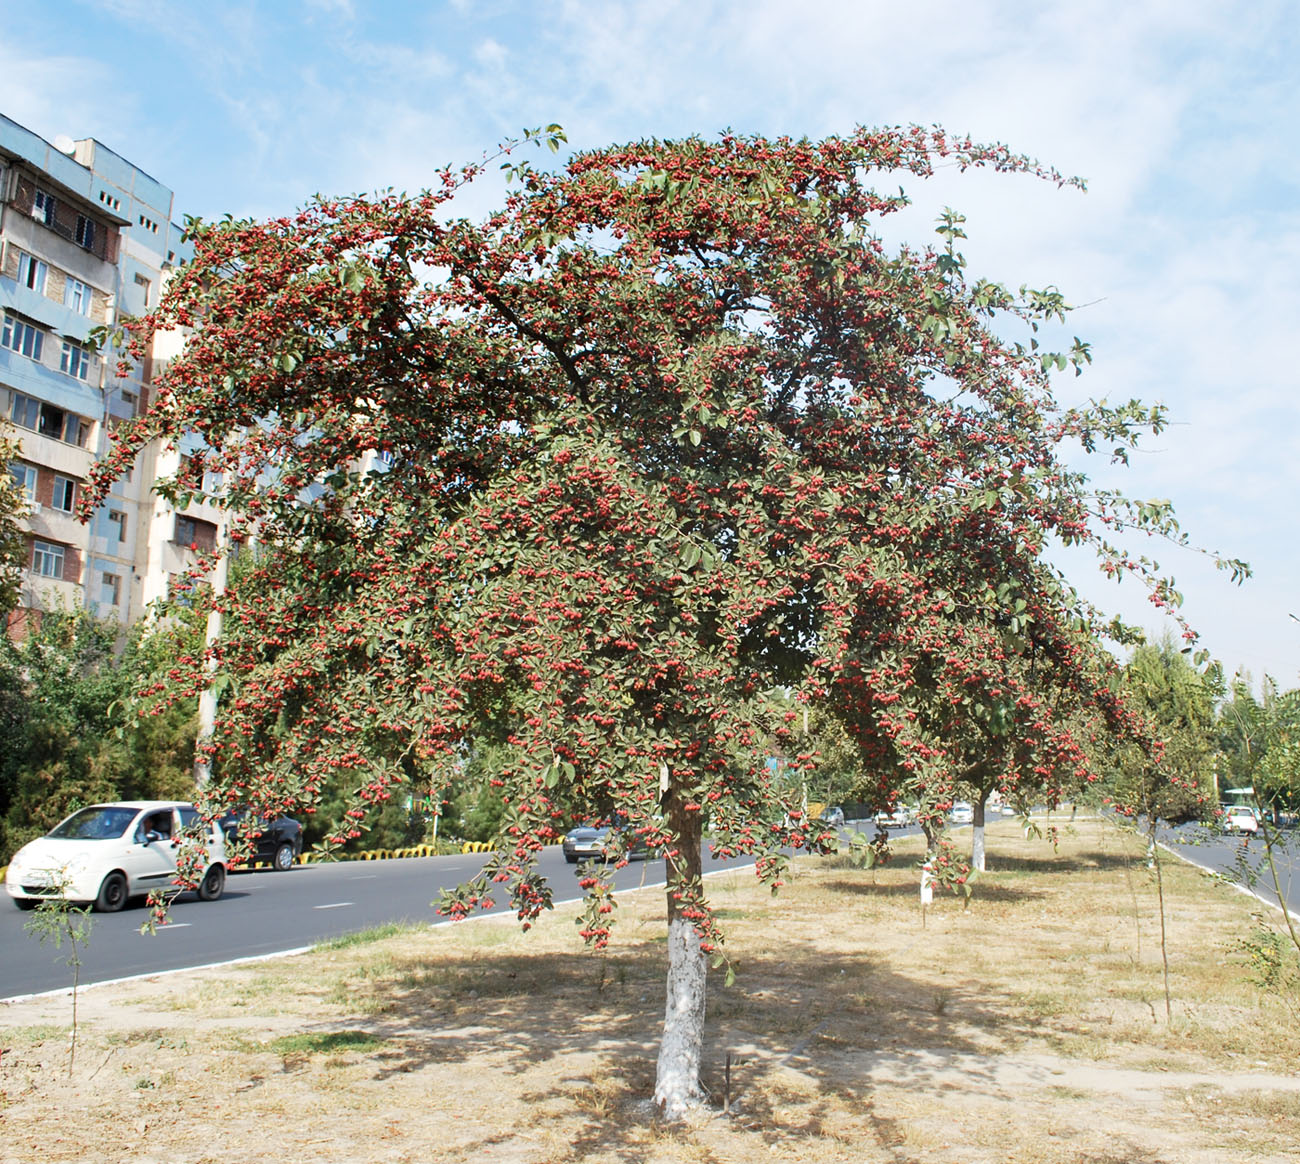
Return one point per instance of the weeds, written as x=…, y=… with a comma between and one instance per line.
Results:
x=366, y=937
x=57, y=919
x=1271, y=963
x=323, y=1042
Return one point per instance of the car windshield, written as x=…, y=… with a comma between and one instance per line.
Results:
x=100, y=823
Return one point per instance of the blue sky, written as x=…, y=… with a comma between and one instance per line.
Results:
x=1181, y=115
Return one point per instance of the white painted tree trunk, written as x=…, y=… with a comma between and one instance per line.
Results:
x=677, y=1081
x=977, y=833
x=677, y=1084
x=207, y=697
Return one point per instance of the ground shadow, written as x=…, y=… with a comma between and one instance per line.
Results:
x=1096, y=859
x=982, y=890
x=602, y=1015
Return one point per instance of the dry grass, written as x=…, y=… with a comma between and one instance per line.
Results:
x=1029, y=1027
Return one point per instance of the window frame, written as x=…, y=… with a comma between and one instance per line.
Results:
x=114, y=582
x=44, y=207
x=33, y=408
x=75, y=289
x=71, y=427
x=84, y=235
x=33, y=273
x=17, y=335
x=27, y=481
x=67, y=487
x=51, y=552
x=74, y=360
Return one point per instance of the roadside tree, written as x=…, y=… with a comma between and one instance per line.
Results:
x=612, y=475
x=1171, y=783
x=66, y=736
x=1259, y=738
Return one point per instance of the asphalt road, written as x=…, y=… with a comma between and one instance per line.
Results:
x=267, y=913
x=1242, y=860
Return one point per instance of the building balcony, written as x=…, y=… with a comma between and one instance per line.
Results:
x=56, y=525
x=33, y=378
x=40, y=308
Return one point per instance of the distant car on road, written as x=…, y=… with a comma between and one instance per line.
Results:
x=963, y=813
x=106, y=854
x=898, y=817
x=833, y=816
x=279, y=844
x=591, y=842
x=1238, y=818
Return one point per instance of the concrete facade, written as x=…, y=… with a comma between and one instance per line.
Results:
x=86, y=238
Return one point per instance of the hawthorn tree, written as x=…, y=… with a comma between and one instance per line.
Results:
x=612, y=476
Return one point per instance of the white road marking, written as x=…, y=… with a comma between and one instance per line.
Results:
x=334, y=905
x=172, y=926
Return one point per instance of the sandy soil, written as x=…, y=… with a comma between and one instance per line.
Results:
x=1029, y=1027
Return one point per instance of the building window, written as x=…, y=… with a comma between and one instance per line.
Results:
x=75, y=360
x=25, y=478
x=85, y=235
x=117, y=518
x=145, y=289
x=32, y=272
x=24, y=411
x=110, y=589
x=65, y=494
x=47, y=559
x=49, y=421
x=195, y=533
x=22, y=338
x=77, y=296
x=43, y=207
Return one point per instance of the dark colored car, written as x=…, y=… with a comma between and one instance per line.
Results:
x=279, y=845
x=588, y=843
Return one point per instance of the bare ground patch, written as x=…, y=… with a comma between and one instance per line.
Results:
x=1029, y=1027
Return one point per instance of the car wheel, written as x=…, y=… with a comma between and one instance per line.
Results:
x=213, y=884
x=112, y=893
x=572, y=858
x=26, y=902
x=283, y=858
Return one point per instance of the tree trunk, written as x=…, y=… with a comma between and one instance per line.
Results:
x=977, y=832
x=677, y=1084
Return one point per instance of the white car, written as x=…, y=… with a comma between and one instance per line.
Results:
x=963, y=813
x=108, y=853
x=1238, y=818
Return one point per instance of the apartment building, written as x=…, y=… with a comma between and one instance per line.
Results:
x=85, y=238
